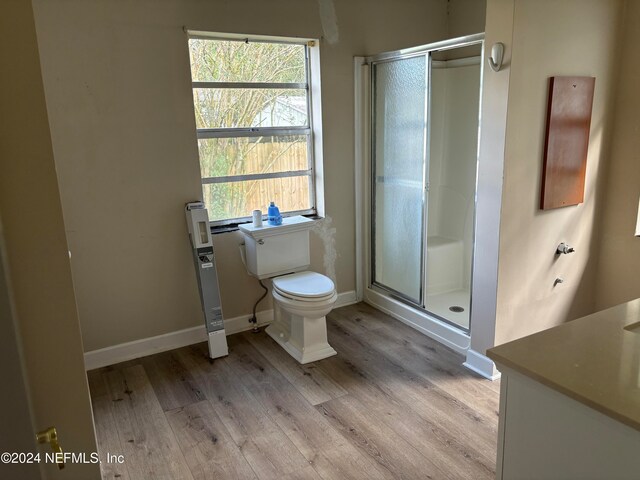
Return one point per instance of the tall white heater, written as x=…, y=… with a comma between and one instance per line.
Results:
x=204, y=261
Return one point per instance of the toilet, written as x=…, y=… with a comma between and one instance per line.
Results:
x=302, y=298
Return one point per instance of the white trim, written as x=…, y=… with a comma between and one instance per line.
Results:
x=491, y=156
x=362, y=166
x=359, y=135
x=504, y=388
x=315, y=107
x=442, y=332
x=482, y=365
x=346, y=298
x=168, y=341
x=145, y=346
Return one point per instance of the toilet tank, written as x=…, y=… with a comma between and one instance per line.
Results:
x=272, y=250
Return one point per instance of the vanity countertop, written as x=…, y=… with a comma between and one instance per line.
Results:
x=594, y=360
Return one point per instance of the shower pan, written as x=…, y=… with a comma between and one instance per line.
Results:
x=423, y=106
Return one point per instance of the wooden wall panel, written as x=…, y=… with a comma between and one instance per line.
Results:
x=566, y=141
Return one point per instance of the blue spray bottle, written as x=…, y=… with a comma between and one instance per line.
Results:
x=273, y=215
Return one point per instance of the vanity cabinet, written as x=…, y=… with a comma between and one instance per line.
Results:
x=570, y=400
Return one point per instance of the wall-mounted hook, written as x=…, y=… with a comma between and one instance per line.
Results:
x=496, y=57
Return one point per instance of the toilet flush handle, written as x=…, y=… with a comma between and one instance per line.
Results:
x=260, y=241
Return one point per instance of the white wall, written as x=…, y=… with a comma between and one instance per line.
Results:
x=455, y=92
x=493, y=114
x=117, y=86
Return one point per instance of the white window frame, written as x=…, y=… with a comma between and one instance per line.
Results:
x=313, y=131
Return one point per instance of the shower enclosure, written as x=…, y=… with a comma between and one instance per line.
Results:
x=424, y=118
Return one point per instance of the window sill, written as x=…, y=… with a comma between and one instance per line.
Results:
x=234, y=226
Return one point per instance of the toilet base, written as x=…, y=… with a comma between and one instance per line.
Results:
x=313, y=353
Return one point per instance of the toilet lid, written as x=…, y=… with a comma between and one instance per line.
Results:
x=304, y=284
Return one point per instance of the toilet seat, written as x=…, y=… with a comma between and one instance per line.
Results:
x=304, y=286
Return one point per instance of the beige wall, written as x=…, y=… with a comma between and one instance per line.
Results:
x=39, y=275
x=117, y=84
x=619, y=260
x=466, y=17
x=572, y=37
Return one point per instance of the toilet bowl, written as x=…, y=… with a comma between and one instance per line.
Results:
x=301, y=298
x=301, y=302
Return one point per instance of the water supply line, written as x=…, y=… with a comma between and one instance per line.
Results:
x=254, y=318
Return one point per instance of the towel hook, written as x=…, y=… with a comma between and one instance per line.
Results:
x=496, y=57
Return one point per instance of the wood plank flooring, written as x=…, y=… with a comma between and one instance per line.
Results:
x=393, y=404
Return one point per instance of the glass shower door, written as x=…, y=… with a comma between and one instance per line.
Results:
x=399, y=117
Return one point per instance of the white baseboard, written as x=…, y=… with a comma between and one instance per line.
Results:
x=346, y=298
x=168, y=341
x=482, y=365
x=182, y=338
x=145, y=346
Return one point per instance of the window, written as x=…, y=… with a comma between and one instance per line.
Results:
x=254, y=120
